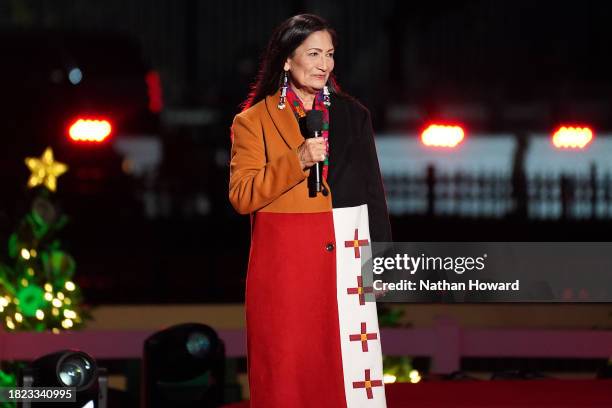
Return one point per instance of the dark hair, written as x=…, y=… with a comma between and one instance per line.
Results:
x=285, y=39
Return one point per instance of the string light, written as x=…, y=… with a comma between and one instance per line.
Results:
x=25, y=254
x=58, y=291
x=414, y=376
x=389, y=378
x=70, y=314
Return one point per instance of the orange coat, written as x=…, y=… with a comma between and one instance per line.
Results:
x=265, y=171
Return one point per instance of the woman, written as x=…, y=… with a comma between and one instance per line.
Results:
x=312, y=338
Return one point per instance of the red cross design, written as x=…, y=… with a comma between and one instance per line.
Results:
x=368, y=384
x=356, y=243
x=363, y=337
x=360, y=290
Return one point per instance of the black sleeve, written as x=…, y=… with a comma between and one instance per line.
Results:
x=380, y=227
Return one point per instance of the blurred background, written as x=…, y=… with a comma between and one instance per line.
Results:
x=492, y=123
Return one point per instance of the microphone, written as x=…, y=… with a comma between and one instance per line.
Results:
x=314, y=126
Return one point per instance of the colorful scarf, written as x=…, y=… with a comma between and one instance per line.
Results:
x=299, y=111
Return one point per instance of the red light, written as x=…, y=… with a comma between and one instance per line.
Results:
x=156, y=102
x=572, y=137
x=442, y=136
x=90, y=130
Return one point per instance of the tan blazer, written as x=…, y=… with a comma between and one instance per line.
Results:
x=265, y=171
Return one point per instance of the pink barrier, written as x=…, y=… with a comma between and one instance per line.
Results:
x=106, y=344
x=446, y=343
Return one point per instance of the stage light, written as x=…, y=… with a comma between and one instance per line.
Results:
x=572, y=137
x=90, y=130
x=184, y=366
x=447, y=136
x=67, y=368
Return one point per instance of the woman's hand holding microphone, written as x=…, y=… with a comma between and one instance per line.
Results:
x=311, y=152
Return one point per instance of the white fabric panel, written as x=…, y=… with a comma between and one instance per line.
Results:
x=352, y=314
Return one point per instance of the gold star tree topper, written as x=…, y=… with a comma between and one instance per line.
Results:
x=45, y=170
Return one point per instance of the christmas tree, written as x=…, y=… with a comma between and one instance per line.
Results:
x=37, y=291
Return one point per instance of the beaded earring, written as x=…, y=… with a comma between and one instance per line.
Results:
x=326, y=99
x=283, y=94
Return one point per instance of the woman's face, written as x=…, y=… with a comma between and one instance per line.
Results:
x=312, y=62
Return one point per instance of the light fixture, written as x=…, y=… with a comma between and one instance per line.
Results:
x=184, y=366
x=572, y=137
x=90, y=130
x=444, y=136
x=68, y=368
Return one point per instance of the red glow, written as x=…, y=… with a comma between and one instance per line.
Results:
x=442, y=136
x=572, y=137
x=90, y=130
x=156, y=102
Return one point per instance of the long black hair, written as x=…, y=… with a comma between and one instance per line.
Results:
x=285, y=39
